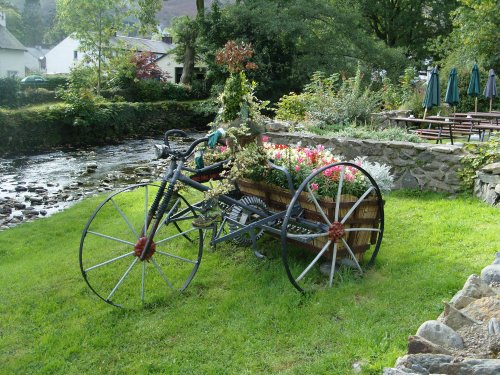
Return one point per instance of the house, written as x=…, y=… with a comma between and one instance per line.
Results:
x=67, y=54
x=11, y=52
x=34, y=61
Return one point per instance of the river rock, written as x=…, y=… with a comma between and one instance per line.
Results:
x=484, y=309
x=20, y=188
x=35, y=199
x=6, y=210
x=440, y=334
x=91, y=167
x=473, y=289
x=433, y=363
x=19, y=206
x=491, y=274
x=396, y=371
x=455, y=318
x=417, y=344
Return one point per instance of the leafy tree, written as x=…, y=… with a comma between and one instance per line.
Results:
x=186, y=32
x=95, y=22
x=409, y=24
x=293, y=39
x=475, y=36
x=13, y=15
x=32, y=22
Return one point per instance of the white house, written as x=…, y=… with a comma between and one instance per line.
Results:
x=66, y=54
x=11, y=52
x=34, y=60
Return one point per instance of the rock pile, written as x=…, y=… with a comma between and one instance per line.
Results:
x=465, y=339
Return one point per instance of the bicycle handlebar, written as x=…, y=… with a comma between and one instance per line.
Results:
x=183, y=134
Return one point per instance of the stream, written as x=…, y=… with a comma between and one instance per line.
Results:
x=35, y=186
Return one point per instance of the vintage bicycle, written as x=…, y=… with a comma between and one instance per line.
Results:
x=140, y=243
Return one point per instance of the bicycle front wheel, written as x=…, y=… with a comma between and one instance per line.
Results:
x=116, y=235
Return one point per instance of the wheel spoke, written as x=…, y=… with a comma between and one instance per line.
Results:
x=325, y=248
x=339, y=192
x=122, y=279
x=177, y=257
x=143, y=279
x=332, y=270
x=355, y=205
x=125, y=218
x=111, y=238
x=109, y=261
x=146, y=197
x=352, y=255
x=176, y=235
x=318, y=207
x=158, y=268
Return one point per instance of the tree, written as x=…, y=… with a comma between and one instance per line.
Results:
x=32, y=22
x=94, y=23
x=408, y=24
x=13, y=19
x=293, y=39
x=186, y=32
x=476, y=34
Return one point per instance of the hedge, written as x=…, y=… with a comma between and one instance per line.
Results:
x=42, y=128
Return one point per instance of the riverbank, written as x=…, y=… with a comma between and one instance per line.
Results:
x=41, y=128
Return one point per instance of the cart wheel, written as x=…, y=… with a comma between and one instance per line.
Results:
x=114, y=239
x=348, y=224
x=244, y=217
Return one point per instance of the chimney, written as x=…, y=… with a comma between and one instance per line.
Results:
x=3, y=19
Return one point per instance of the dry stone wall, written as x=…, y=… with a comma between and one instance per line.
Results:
x=420, y=166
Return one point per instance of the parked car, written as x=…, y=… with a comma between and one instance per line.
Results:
x=34, y=81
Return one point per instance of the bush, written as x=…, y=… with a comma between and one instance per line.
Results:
x=9, y=88
x=480, y=154
x=32, y=129
x=37, y=96
x=368, y=132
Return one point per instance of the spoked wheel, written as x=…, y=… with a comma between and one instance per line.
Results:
x=346, y=221
x=244, y=217
x=114, y=239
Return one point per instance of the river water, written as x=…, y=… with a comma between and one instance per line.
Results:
x=34, y=186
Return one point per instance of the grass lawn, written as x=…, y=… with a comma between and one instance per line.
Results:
x=240, y=315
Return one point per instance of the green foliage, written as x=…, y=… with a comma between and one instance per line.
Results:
x=395, y=95
x=368, y=132
x=33, y=24
x=293, y=39
x=235, y=90
x=9, y=88
x=292, y=107
x=328, y=101
x=13, y=18
x=480, y=154
x=44, y=127
x=37, y=96
x=52, y=323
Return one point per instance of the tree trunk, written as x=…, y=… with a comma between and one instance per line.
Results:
x=187, y=71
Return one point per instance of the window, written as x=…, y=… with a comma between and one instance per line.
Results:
x=75, y=55
x=178, y=74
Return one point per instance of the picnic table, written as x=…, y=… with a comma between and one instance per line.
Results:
x=486, y=121
x=463, y=126
x=428, y=128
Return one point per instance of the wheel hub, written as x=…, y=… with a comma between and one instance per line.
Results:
x=141, y=244
x=336, y=231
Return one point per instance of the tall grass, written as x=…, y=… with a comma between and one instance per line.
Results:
x=240, y=314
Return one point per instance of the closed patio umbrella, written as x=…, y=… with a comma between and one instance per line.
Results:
x=432, y=92
x=452, y=97
x=474, y=85
x=490, y=91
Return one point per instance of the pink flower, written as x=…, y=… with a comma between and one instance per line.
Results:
x=349, y=177
x=314, y=186
x=300, y=160
x=297, y=168
x=277, y=155
x=320, y=148
x=265, y=138
x=328, y=172
x=222, y=148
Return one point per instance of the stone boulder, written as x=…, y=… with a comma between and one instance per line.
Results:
x=440, y=334
x=474, y=288
x=484, y=309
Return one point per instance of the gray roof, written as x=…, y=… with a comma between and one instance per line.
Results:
x=143, y=45
x=9, y=41
x=37, y=52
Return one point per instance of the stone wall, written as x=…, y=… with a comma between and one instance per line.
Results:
x=414, y=165
x=487, y=184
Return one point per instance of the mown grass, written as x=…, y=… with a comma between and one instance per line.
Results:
x=240, y=315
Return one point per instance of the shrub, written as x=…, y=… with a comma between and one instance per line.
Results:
x=479, y=155
x=37, y=96
x=9, y=88
x=292, y=107
x=368, y=132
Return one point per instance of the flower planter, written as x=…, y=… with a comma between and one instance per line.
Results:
x=366, y=215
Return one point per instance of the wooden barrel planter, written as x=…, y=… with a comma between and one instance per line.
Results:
x=366, y=215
